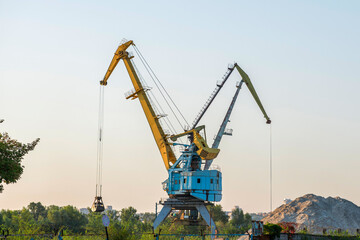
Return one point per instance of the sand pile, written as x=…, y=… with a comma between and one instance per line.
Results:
x=316, y=213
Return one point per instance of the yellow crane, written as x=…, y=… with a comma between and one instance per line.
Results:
x=139, y=92
x=160, y=137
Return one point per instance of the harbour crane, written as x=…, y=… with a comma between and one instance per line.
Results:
x=191, y=184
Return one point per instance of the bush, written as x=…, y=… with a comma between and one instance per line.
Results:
x=273, y=230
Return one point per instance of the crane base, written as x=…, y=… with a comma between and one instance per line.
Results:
x=187, y=203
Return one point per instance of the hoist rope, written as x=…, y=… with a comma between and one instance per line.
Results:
x=157, y=105
x=271, y=167
x=100, y=143
x=149, y=69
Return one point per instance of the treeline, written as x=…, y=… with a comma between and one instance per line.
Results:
x=124, y=224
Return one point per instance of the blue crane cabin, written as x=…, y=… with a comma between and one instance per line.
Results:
x=187, y=178
x=205, y=185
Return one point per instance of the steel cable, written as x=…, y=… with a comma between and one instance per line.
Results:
x=270, y=167
x=100, y=143
x=151, y=72
x=157, y=105
x=168, y=122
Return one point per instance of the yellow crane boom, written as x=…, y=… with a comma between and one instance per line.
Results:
x=250, y=86
x=160, y=137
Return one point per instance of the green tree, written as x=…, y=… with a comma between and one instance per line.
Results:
x=130, y=222
x=217, y=213
x=73, y=220
x=237, y=217
x=36, y=219
x=94, y=224
x=114, y=217
x=37, y=210
x=240, y=220
x=11, y=155
x=148, y=218
x=239, y=223
x=68, y=218
x=128, y=215
x=27, y=223
x=10, y=220
x=54, y=219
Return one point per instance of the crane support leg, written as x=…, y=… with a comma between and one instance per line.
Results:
x=188, y=203
x=206, y=216
x=165, y=211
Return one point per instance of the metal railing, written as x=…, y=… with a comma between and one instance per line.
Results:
x=201, y=236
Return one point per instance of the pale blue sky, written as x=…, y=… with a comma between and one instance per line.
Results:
x=302, y=56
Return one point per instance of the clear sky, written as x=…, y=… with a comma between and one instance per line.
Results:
x=302, y=56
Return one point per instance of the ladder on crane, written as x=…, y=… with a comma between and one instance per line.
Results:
x=213, y=95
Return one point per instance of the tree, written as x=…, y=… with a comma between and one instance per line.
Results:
x=130, y=222
x=11, y=154
x=218, y=215
x=148, y=218
x=237, y=217
x=239, y=222
x=54, y=217
x=37, y=210
x=10, y=220
x=128, y=215
x=73, y=220
x=68, y=218
x=94, y=225
x=27, y=223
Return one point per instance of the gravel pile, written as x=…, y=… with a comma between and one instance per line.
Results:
x=317, y=213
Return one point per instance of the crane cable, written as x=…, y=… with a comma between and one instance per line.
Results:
x=147, y=67
x=151, y=73
x=100, y=143
x=156, y=105
x=270, y=167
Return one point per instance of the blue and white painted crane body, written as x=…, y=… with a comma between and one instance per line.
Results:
x=191, y=180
